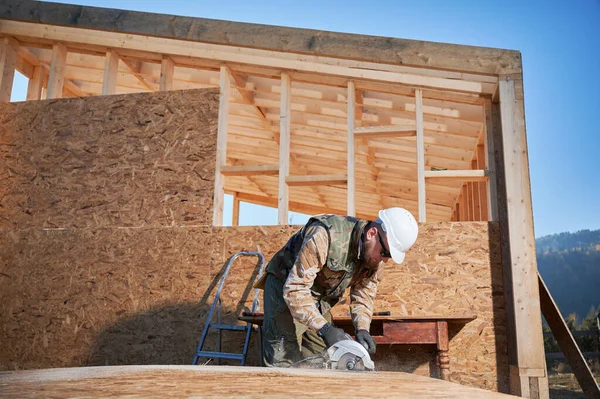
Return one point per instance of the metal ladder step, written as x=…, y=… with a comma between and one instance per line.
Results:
x=221, y=355
x=228, y=327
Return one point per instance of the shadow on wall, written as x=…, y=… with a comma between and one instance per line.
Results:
x=167, y=335
x=171, y=334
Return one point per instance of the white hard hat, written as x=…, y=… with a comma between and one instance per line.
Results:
x=401, y=229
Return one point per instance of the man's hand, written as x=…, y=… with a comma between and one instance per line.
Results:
x=331, y=334
x=364, y=338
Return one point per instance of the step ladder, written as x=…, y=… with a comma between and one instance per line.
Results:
x=248, y=328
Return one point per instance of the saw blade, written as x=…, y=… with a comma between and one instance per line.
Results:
x=351, y=362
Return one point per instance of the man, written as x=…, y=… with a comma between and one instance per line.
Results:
x=309, y=275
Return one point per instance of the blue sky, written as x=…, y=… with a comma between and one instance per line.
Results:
x=560, y=45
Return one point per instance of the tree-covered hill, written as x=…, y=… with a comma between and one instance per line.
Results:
x=570, y=265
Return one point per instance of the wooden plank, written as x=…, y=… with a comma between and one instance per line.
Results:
x=521, y=265
x=567, y=343
x=151, y=381
x=56, y=80
x=385, y=131
x=8, y=62
x=350, y=169
x=423, y=54
x=111, y=65
x=235, y=214
x=420, y=155
x=167, y=68
x=250, y=170
x=223, y=125
x=34, y=88
x=456, y=175
x=228, y=55
x=285, y=117
x=317, y=180
x=490, y=162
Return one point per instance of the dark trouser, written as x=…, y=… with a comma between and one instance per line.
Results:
x=285, y=341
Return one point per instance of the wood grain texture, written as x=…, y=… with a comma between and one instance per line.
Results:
x=228, y=382
x=125, y=160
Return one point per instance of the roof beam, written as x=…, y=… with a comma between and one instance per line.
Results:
x=313, y=43
x=225, y=54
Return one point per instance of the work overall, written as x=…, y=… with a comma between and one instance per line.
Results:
x=285, y=340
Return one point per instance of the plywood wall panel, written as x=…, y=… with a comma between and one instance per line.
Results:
x=112, y=296
x=125, y=160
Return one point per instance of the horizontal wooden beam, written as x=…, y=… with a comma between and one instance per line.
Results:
x=316, y=180
x=225, y=54
x=313, y=43
x=457, y=175
x=373, y=132
x=250, y=170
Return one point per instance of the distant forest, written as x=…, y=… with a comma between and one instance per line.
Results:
x=570, y=265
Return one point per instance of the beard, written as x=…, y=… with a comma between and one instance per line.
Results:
x=368, y=260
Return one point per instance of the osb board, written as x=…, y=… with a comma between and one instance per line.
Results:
x=227, y=382
x=140, y=296
x=125, y=160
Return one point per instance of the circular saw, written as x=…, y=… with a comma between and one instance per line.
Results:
x=348, y=355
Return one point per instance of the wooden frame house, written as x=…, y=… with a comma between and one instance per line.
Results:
x=315, y=122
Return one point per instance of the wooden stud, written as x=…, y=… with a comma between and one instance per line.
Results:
x=9, y=48
x=482, y=186
x=235, y=215
x=223, y=125
x=56, y=80
x=420, y=155
x=34, y=88
x=476, y=198
x=350, y=169
x=490, y=163
x=167, y=68
x=522, y=266
x=111, y=66
x=285, y=117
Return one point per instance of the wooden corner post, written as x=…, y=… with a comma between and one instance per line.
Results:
x=528, y=366
x=225, y=83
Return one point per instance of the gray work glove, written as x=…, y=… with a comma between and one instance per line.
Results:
x=364, y=338
x=331, y=334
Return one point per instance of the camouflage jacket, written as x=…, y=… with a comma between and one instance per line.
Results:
x=319, y=263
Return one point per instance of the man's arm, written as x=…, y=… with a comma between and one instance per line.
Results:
x=362, y=296
x=296, y=290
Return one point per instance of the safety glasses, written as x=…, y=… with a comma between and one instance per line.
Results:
x=384, y=252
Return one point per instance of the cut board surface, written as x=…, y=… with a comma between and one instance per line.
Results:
x=226, y=382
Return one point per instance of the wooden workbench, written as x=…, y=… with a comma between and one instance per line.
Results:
x=399, y=330
x=227, y=382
